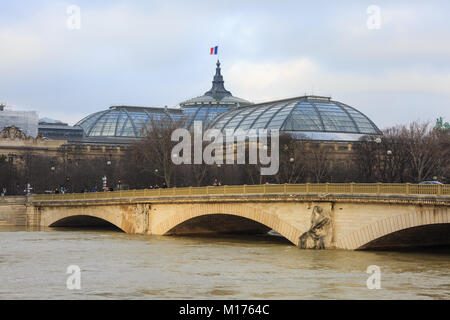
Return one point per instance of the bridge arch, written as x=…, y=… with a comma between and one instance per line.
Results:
x=79, y=216
x=270, y=220
x=83, y=221
x=400, y=230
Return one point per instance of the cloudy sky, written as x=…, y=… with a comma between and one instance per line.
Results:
x=156, y=53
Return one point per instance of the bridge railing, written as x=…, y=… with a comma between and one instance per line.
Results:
x=307, y=188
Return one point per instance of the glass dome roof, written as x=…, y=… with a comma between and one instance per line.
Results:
x=214, y=102
x=124, y=121
x=204, y=112
x=309, y=117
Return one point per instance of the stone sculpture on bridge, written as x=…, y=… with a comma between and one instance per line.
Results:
x=319, y=234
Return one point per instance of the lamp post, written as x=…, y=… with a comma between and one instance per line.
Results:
x=108, y=174
x=156, y=171
x=389, y=156
x=64, y=186
x=11, y=182
x=52, y=169
x=377, y=166
x=291, y=161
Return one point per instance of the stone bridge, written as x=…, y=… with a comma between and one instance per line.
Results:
x=309, y=216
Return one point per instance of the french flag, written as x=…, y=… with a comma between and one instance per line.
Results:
x=214, y=50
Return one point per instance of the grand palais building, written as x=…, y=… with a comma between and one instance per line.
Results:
x=312, y=118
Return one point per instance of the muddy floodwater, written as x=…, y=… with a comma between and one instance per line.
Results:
x=116, y=265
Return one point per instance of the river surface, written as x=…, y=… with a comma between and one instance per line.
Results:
x=116, y=265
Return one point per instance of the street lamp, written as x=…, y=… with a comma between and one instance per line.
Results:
x=390, y=160
x=156, y=174
x=52, y=168
x=11, y=182
x=291, y=160
x=378, y=140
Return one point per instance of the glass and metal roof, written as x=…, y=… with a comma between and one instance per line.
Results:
x=310, y=117
x=214, y=102
x=205, y=113
x=125, y=121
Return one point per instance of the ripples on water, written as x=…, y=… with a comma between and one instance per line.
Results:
x=122, y=266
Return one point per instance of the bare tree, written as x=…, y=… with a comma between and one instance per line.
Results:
x=318, y=163
x=410, y=153
x=154, y=150
x=293, y=160
x=422, y=145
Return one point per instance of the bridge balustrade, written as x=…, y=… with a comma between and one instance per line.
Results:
x=308, y=188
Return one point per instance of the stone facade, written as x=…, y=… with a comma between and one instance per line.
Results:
x=15, y=144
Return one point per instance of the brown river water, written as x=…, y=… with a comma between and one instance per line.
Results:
x=116, y=265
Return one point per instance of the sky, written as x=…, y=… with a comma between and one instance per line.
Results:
x=393, y=66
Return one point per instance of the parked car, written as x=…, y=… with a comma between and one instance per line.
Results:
x=430, y=182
